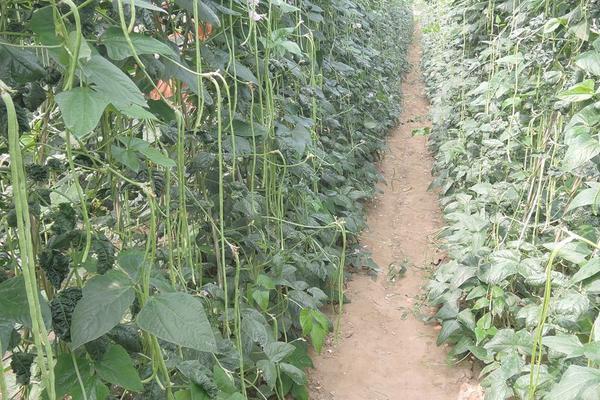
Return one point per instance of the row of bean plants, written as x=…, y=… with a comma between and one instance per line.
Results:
x=181, y=188
x=514, y=88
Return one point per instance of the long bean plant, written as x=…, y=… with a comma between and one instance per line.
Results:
x=181, y=188
x=514, y=87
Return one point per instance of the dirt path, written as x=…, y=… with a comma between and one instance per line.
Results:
x=386, y=352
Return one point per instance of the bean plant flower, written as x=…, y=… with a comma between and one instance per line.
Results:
x=254, y=16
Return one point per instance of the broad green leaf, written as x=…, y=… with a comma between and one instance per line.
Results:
x=19, y=66
x=589, y=62
x=511, y=59
x=127, y=157
x=81, y=109
x=277, y=351
x=204, y=11
x=586, y=197
x=244, y=73
x=297, y=375
x=42, y=24
x=285, y=7
x=147, y=5
x=245, y=129
x=269, y=372
x=14, y=307
x=157, y=157
x=587, y=270
x=553, y=24
x=575, y=252
x=116, y=367
x=6, y=330
x=178, y=318
x=296, y=139
x=581, y=30
x=261, y=297
x=136, y=111
x=315, y=324
x=503, y=263
x=506, y=340
x=144, y=148
x=574, y=382
x=449, y=327
x=223, y=380
x=67, y=382
x=580, y=92
x=582, y=149
x=131, y=260
x=112, y=83
x=292, y=47
x=592, y=351
x=105, y=300
x=118, y=47
x=596, y=329
x=587, y=118
x=569, y=345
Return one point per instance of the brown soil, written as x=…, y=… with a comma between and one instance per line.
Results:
x=385, y=350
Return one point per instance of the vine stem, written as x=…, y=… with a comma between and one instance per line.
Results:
x=40, y=334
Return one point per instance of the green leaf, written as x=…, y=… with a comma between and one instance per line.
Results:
x=507, y=340
x=157, y=157
x=147, y=5
x=223, y=380
x=587, y=270
x=105, y=300
x=139, y=145
x=315, y=324
x=244, y=73
x=589, y=62
x=178, y=318
x=6, y=330
x=297, y=375
x=116, y=367
x=292, y=47
x=296, y=139
x=592, y=351
x=277, y=351
x=81, y=109
x=586, y=197
x=568, y=345
x=67, y=382
x=269, y=372
x=503, y=263
x=118, y=48
x=575, y=252
x=261, y=297
x=245, y=129
x=580, y=92
x=553, y=24
x=204, y=11
x=112, y=83
x=14, y=306
x=42, y=24
x=449, y=327
x=19, y=66
x=575, y=382
x=285, y=7
x=131, y=260
x=127, y=157
x=581, y=149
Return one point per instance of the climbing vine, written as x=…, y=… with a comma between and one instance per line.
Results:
x=516, y=115
x=181, y=189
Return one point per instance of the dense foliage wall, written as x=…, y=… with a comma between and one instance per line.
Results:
x=182, y=186
x=516, y=119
